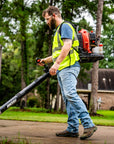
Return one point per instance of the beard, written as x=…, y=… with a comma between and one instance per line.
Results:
x=53, y=24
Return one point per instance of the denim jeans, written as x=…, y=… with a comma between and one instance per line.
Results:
x=75, y=107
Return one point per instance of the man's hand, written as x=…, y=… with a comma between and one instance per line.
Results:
x=54, y=69
x=41, y=63
x=45, y=61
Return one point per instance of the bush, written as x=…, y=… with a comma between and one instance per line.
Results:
x=112, y=108
x=33, y=102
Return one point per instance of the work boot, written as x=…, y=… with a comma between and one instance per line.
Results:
x=67, y=134
x=88, y=132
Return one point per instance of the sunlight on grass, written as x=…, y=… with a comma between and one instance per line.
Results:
x=45, y=117
x=106, y=119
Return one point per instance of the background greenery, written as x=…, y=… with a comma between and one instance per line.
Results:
x=25, y=36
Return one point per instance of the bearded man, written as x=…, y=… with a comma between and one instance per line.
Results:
x=66, y=66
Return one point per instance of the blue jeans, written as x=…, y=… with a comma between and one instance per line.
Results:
x=75, y=107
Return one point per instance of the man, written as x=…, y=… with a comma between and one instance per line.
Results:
x=67, y=68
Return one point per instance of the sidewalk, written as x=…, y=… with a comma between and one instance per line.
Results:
x=44, y=133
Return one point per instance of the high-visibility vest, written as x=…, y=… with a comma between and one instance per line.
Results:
x=73, y=55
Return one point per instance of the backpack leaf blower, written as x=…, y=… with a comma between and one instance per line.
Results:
x=87, y=42
x=27, y=89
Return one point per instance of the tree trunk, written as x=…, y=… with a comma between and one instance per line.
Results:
x=62, y=105
x=24, y=54
x=23, y=74
x=0, y=61
x=47, y=100
x=57, y=97
x=93, y=101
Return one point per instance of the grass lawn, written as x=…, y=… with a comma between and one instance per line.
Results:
x=34, y=114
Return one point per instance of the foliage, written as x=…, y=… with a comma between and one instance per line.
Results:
x=22, y=23
x=108, y=47
x=33, y=102
x=10, y=73
x=108, y=11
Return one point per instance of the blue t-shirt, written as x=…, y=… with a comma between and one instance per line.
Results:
x=66, y=31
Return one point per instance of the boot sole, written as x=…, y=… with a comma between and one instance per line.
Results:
x=67, y=135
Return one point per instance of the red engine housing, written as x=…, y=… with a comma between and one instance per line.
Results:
x=85, y=39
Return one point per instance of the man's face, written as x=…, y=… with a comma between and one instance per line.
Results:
x=50, y=20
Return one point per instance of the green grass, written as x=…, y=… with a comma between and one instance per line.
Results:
x=107, y=119
x=17, y=140
x=41, y=115
x=33, y=114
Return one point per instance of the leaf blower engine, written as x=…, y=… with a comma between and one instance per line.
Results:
x=88, y=49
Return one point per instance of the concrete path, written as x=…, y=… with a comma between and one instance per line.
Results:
x=44, y=133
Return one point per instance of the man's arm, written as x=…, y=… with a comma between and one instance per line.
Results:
x=45, y=60
x=64, y=52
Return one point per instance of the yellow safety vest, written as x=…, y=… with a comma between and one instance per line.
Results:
x=73, y=55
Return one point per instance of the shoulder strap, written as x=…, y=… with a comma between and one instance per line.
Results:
x=74, y=26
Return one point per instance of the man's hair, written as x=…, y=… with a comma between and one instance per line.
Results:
x=51, y=10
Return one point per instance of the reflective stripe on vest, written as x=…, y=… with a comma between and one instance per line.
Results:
x=73, y=56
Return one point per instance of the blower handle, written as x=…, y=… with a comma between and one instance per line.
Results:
x=46, y=69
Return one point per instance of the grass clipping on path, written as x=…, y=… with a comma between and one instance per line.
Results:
x=41, y=115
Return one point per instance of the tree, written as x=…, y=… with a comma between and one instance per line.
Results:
x=10, y=82
x=108, y=47
x=93, y=100
x=0, y=61
x=23, y=27
x=108, y=11
x=14, y=18
x=57, y=97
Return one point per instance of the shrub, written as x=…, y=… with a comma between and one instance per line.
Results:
x=112, y=108
x=33, y=102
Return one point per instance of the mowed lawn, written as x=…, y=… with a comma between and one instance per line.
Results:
x=106, y=118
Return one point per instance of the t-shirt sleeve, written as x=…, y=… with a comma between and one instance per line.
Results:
x=66, y=31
